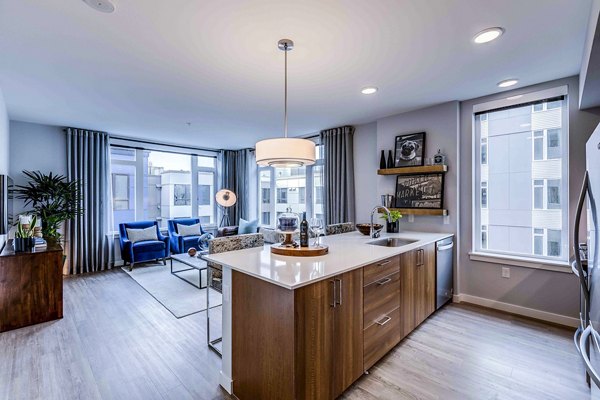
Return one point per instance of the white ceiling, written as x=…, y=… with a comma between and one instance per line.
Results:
x=152, y=66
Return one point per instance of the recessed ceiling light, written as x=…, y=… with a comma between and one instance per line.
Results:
x=104, y=6
x=488, y=35
x=369, y=90
x=514, y=97
x=507, y=83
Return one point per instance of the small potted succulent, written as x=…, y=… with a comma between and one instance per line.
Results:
x=394, y=226
x=24, y=239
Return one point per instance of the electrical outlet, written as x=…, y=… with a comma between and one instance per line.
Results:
x=505, y=272
x=411, y=218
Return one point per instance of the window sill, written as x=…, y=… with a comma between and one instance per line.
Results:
x=535, y=263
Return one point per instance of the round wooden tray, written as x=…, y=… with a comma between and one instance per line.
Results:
x=312, y=251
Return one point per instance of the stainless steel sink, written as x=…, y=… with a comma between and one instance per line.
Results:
x=391, y=242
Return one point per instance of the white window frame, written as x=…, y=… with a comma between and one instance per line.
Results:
x=533, y=261
x=138, y=164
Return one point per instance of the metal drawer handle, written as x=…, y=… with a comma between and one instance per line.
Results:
x=384, y=321
x=384, y=281
x=384, y=263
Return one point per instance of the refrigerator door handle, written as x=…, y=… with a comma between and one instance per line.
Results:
x=586, y=357
x=580, y=206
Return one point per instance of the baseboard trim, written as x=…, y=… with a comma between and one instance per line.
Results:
x=519, y=310
x=226, y=382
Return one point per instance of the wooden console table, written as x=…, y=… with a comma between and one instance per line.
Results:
x=31, y=286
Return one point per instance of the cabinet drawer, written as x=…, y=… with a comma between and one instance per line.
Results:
x=380, y=269
x=381, y=297
x=381, y=337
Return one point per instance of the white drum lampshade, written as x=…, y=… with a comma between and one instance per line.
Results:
x=285, y=152
x=225, y=198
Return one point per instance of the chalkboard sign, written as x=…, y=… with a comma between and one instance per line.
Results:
x=420, y=191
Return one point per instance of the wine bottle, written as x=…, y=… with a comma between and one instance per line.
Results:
x=382, y=164
x=304, y=231
x=390, y=161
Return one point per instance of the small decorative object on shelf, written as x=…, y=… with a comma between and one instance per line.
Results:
x=387, y=200
x=410, y=150
x=191, y=252
x=439, y=158
x=390, y=160
x=382, y=164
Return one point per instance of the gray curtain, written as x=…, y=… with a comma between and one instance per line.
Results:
x=234, y=175
x=88, y=246
x=339, y=174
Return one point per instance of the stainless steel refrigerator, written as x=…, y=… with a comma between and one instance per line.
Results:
x=587, y=338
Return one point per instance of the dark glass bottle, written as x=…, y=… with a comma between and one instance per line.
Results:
x=382, y=160
x=390, y=162
x=304, y=231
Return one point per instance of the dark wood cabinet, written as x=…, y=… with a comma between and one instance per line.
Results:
x=31, y=287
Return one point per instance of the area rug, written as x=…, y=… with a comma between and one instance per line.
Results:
x=177, y=296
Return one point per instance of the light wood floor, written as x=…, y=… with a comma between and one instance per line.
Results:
x=117, y=342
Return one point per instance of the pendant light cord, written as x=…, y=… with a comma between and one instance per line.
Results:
x=285, y=94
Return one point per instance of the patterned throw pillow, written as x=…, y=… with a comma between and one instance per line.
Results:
x=140, y=235
x=188, y=230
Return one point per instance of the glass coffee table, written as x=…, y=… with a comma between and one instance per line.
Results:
x=193, y=262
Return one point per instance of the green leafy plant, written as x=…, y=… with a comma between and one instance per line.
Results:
x=24, y=233
x=395, y=214
x=53, y=198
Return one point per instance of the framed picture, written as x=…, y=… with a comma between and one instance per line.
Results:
x=420, y=191
x=410, y=150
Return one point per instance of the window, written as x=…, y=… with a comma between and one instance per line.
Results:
x=521, y=177
x=484, y=197
x=204, y=194
x=300, y=189
x=282, y=195
x=266, y=195
x=265, y=218
x=484, y=237
x=120, y=191
x=483, y=151
x=161, y=185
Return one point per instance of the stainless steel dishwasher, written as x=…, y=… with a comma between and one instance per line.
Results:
x=444, y=259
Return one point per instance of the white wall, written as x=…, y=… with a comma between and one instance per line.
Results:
x=4, y=146
x=542, y=290
x=36, y=147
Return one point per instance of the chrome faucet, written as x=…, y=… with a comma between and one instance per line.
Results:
x=372, y=232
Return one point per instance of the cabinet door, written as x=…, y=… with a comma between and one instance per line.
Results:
x=314, y=313
x=424, y=283
x=408, y=292
x=348, y=330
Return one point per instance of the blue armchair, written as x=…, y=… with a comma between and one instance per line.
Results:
x=145, y=250
x=181, y=244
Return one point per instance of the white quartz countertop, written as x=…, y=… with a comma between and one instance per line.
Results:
x=347, y=251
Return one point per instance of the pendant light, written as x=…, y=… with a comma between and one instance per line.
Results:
x=285, y=152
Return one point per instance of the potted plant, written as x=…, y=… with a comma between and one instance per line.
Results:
x=394, y=226
x=24, y=240
x=53, y=198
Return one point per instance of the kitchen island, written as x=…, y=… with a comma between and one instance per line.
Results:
x=308, y=327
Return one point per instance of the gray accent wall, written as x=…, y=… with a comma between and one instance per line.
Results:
x=4, y=146
x=36, y=147
x=544, y=290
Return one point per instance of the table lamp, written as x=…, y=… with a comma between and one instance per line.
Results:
x=225, y=198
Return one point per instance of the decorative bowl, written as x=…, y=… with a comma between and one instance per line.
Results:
x=365, y=229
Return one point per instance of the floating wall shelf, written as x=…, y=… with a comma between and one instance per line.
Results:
x=421, y=211
x=426, y=169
